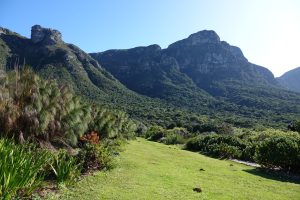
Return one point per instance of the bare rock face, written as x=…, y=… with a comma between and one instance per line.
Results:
x=5, y=31
x=45, y=35
x=205, y=36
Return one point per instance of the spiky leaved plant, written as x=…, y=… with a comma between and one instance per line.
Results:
x=111, y=124
x=39, y=109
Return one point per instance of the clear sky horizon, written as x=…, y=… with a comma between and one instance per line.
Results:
x=267, y=31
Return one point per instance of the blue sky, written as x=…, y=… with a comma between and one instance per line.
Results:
x=267, y=31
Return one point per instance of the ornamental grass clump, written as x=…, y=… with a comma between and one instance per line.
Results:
x=21, y=169
x=65, y=168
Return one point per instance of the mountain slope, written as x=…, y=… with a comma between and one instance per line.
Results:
x=52, y=58
x=170, y=92
x=148, y=71
x=291, y=80
x=212, y=65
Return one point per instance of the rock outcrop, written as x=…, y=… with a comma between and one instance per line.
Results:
x=45, y=35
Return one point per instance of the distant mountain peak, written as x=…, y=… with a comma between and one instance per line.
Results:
x=47, y=36
x=205, y=36
x=291, y=80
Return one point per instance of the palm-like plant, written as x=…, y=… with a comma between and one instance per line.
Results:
x=39, y=109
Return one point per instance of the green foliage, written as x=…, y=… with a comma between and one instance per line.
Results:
x=65, y=168
x=222, y=146
x=270, y=148
x=20, y=169
x=95, y=157
x=112, y=124
x=279, y=151
x=175, y=136
x=296, y=126
x=37, y=109
x=154, y=133
x=167, y=136
x=173, y=139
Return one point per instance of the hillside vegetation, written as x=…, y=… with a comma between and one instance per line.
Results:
x=204, y=75
x=197, y=76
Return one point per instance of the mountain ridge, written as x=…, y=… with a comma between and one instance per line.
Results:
x=212, y=65
x=168, y=91
x=291, y=80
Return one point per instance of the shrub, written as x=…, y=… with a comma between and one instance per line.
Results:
x=20, y=169
x=141, y=130
x=173, y=139
x=223, y=150
x=95, y=157
x=225, y=128
x=279, y=151
x=297, y=126
x=40, y=110
x=33, y=108
x=112, y=124
x=155, y=133
x=217, y=145
x=249, y=152
x=65, y=168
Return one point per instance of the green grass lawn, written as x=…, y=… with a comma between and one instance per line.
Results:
x=148, y=170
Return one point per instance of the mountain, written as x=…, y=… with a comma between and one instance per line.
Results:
x=197, y=76
x=148, y=71
x=202, y=62
x=291, y=80
x=52, y=58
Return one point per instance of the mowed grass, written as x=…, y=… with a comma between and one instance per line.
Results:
x=148, y=170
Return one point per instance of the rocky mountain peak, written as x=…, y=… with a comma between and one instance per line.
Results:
x=4, y=31
x=46, y=35
x=205, y=36
x=198, y=39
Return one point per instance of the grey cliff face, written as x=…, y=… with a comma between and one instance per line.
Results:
x=203, y=37
x=46, y=35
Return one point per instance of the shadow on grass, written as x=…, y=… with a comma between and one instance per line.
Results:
x=274, y=175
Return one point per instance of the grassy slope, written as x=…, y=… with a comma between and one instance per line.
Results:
x=150, y=170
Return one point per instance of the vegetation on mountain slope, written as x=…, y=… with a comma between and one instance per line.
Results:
x=290, y=80
x=206, y=75
x=197, y=91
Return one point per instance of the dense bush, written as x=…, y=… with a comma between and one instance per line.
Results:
x=172, y=138
x=154, y=133
x=93, y=154
x=112, y=124
x=35, y=109
x=21, y=169
x=279, y=151
x=271, y=148
x=223, y=146
x=32, y=108
x=295, y=126
x=168, y=136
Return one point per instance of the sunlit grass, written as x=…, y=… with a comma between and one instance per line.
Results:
x=149, y=170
